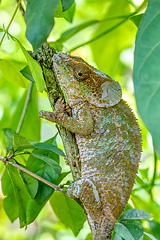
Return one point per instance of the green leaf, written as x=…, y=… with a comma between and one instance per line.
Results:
x=59, y=13
x=89, y=237
x=40, y=167
x=56, y=45
x=68, y=211
x=30, y=127
x=26, y=72
x=137, y=19
x=33, y=209
x=11, y=72
x=9, y=203
x=148, y=205
x=66, y=4
x=129, y=229
x=20, y=143
x=31, y=184
x=8, y=137
x=52, y=140
x=62, y=176
x=50, y=147
x=35, y=164
x=44, y=192
x=117, y=237
x=135, y=214
x=150, y=236
x=39, y=19
x=121, y=230
x=49, y=161
x=21, y=194
x=135, y=228
x=34, y=68
x=154, y=228
x=50, y=154
x=144, y=173
x=11, y=207
x=68, y=15
x=146, y=74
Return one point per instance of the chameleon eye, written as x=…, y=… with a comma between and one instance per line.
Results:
x=81, y=72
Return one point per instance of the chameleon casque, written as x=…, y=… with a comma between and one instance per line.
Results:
x=108, y=139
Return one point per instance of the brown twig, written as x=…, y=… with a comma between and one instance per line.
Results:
x=6, y=160
x=21, y=8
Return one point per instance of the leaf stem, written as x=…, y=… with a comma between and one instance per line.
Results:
x=152, y=184
x=25, y=107
x=98, y=36
x=9, y=24
x=155, y=169
x=65, y=36
x=5, y=160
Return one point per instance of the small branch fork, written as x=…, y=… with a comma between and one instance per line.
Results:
x=6, y=160
x=21, y=8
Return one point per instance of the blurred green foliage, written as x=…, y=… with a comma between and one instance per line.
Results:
x=109, y=28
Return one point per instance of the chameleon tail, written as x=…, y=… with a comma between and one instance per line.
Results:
x=102, y=229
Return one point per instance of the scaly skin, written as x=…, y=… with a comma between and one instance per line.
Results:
x=108, y=139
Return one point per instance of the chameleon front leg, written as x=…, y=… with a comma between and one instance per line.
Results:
x=83, y=127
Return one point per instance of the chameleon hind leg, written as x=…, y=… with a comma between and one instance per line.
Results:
x=86, y=192
x=100, y=219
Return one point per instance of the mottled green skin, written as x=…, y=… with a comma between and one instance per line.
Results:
x=108, y=139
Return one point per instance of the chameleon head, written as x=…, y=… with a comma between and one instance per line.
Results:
x=80, y=82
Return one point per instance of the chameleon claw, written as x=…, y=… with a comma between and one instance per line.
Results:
x=41, y=114
x=50, y=116
x=68, y=109
x=66, y=161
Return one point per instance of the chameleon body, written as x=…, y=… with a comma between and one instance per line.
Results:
x=108, y=139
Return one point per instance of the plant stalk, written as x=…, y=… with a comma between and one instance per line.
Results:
x=9, y=24
x=7, y=161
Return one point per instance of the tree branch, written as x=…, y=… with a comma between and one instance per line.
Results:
x=5, y=160
x=44, y=58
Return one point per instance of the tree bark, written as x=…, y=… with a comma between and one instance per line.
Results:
x=44, y=58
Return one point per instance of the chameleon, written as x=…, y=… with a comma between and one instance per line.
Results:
x=108, y=139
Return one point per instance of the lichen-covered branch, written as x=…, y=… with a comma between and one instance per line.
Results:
x=44, y=58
